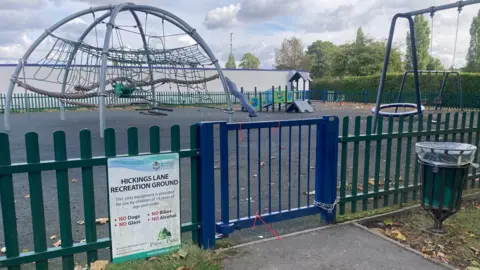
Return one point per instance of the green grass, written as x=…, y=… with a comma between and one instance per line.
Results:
x=196, y=259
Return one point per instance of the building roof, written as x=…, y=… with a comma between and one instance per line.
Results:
x=296, y=75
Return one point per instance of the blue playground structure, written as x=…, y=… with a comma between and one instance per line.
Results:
x=267, y=99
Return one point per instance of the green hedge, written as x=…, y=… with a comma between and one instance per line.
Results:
x=429, y=85
x=432, y=83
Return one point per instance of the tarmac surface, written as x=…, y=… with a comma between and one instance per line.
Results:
x=342, y=247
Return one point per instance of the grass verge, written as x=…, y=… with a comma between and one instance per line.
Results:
x=196, y=259
x=460, y=247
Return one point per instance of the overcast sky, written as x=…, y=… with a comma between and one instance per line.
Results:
x=258, y=26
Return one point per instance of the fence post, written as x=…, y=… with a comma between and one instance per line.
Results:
x=324, y=94
x=273, y=98
x=7, y=202
x=207, y=186
x=2, y=107
x=365, y=96
x=326, y=167
x=260, y=101
x=195, y=181
x=241, y=91
x=225, y=228
x=304, y=90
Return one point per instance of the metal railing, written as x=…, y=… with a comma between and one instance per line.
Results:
x=267, y=168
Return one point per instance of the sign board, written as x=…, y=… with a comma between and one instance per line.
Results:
x=144, y=199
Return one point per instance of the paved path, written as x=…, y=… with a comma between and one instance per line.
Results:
x=339, y=247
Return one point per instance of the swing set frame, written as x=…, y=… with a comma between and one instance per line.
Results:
x=409, y=16
x=438, y=101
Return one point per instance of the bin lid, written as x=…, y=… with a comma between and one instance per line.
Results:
x=445, y=153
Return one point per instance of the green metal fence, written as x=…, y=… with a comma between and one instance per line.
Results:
x=381, y=168
x=61, y=165
x=37, y=103
x=375, y=170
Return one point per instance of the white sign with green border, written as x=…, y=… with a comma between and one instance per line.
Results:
x=144, y=199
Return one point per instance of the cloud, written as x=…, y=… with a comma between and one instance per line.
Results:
x=22, y=4
x=263, y=9
x=259, y=26
x=16, y=48
x=186, y=40
x=76, y=27
x=6, y=37
x=334, y=20
x=110, y=2
x=13, y=20
x=222, y=17
x=248, y=11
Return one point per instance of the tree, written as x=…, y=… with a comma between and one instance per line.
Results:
x=395, y=65
x=362, y=57
x=231, y=62
x=306, y=63
x=360, y=40
x=422, y=42
x=365, y=56
x=249, y=61
x=435, y=64
x=290, y=55
x=321, y=54
x=340, y=60
x=473, y=55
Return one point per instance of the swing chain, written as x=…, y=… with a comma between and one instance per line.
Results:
x=460, y=7
x=327, y=206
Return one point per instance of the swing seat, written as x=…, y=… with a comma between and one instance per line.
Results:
x=121, y=91
x=396, y=113
x=438, y=101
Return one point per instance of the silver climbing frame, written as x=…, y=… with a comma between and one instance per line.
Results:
x=114, y=74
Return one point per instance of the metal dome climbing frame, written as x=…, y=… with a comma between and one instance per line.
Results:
x=84, y=70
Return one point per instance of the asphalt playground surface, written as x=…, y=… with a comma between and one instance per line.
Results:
x=287, y=183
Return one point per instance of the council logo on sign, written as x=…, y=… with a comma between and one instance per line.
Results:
x=166, y=165
x=156, y=165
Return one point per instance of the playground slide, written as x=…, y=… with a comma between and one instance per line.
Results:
x=232, y=87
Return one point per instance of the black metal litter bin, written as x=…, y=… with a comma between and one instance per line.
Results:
x=444, y=170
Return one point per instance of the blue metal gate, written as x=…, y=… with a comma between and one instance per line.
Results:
x=263, y=174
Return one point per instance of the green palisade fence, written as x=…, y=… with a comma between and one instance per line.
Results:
x=61, y=165
x=38, y=103
x=375, y=170
x=388, y=173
